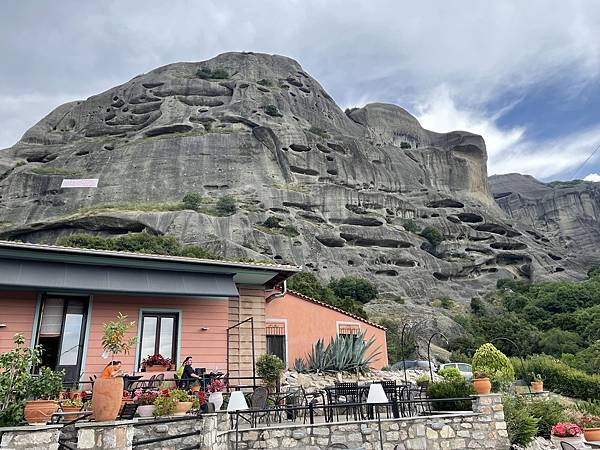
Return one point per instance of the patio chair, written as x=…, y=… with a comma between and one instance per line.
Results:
x=128, y=411
x=348, y=392
x=258, y=406
x=566, y=446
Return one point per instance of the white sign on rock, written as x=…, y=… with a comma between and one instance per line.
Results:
x=81, y=183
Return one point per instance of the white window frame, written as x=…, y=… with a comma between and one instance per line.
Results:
x=285, y=327
x=338, y=323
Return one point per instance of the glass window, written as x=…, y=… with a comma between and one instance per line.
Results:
x=71, y=340
x=159, y=335
x=464, y=367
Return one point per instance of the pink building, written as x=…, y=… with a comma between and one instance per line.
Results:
x=214, y=311
x=295, y=322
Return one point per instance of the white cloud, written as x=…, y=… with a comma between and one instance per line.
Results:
x=595, y=177
x=509, y=150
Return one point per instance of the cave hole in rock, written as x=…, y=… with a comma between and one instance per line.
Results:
x=82, y=152
x=336, y=148
x=445, y=203
x=350, y=262
x=490, y=269
x=329, y=158
x=508, y=245
x=361, y=241
x=277, y=257
x=501, y=195
x=509, y=259
x=169, y=130
x=435, y=215
x=387, y=272
x=322, y=148
x=331, y=241
x=554, y=257
x=469, y=217
x=304, y=206
x=304, y=171
x=360, y=221
x=440, y=276
x=559, y=269
x=300, y=147
x=453, y=219
x=332, y=171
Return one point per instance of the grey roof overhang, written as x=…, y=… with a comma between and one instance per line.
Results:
x=153, y=274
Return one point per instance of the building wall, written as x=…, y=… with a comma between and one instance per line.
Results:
x=306, y=322
x=250, y=304
x=17, y=312
x=208, y=348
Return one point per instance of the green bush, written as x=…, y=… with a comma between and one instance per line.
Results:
x=411, y=226
x=460, y=358
x=164, y=406
x=393, y=335
x=489, y=359
x=269, y=368
x=560, y=378
x=306, y=283
x=548, y=413
x=451, y=374
x=272, y=110
x=272, y=222
x=226, y=205
x=452, y=388
x=206, y=74
x=522, y=427
x=192, y=200
x=433, y=235
x=47, y=385
x=359, y=289
x=137, y=243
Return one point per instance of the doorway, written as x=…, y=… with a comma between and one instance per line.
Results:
x=61, y=333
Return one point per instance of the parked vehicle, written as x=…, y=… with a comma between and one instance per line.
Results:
x=418, y=364
x=464, y=369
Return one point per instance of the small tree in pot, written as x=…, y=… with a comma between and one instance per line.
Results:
x=15, y=379
x=45, y=390
x=270, y=368
x=108, y=392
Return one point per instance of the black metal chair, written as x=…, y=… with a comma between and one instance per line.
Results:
x=347, y=392
x=566, y=446
x=128, y=411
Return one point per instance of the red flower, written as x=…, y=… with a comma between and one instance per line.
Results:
x=566, y=430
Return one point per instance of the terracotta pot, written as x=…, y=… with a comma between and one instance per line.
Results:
x=181, y=408
x=146, y=410
x=38, y=412
x=591, y=434
x=106, y=398
x=482, y=386
x=156, y=368
x=67, y=409
x=537, y=386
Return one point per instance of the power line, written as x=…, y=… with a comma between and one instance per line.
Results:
x=585, y=162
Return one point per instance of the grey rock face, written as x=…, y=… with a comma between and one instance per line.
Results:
x=567, y=215
x=259, y=128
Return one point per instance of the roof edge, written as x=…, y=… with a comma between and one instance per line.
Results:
x=334, y=308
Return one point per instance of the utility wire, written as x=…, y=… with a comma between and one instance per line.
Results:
x=585, y=162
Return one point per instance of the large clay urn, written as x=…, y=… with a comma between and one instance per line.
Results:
x=482, y=386
x=106, y=398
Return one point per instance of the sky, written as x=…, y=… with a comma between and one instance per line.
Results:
x=523, y=74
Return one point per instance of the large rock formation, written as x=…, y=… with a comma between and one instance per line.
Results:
x=258, y=128
x=568, y=213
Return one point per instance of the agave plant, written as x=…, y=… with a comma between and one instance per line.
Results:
x=342, y=354
x=299, y=365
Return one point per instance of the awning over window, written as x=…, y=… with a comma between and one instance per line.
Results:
x=97, y=278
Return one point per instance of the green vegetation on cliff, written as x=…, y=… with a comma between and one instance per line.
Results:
x=346, y=293
x=560, y=319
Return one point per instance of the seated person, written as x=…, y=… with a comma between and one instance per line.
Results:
x=188, y=376
x=112, y=370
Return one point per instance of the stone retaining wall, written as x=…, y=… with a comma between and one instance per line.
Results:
x=482, y=429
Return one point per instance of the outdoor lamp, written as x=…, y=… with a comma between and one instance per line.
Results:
x=237, y=402
x=376, y=397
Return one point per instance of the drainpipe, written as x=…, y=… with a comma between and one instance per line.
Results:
x=278, y=294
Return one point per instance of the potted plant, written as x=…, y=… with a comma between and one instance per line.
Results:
x=183, y=401
x=537, y=383
x=200, y=401
x=145, y=401
x=164, y=404
x=216, y=388
x=15, y=380
x=108, y=392
x=481, y=382
x=566, y=432
x=156, y=363
x=591, y=428
x=71, y=403
x=45, y=389
x=423, y=380
x=270, y=368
